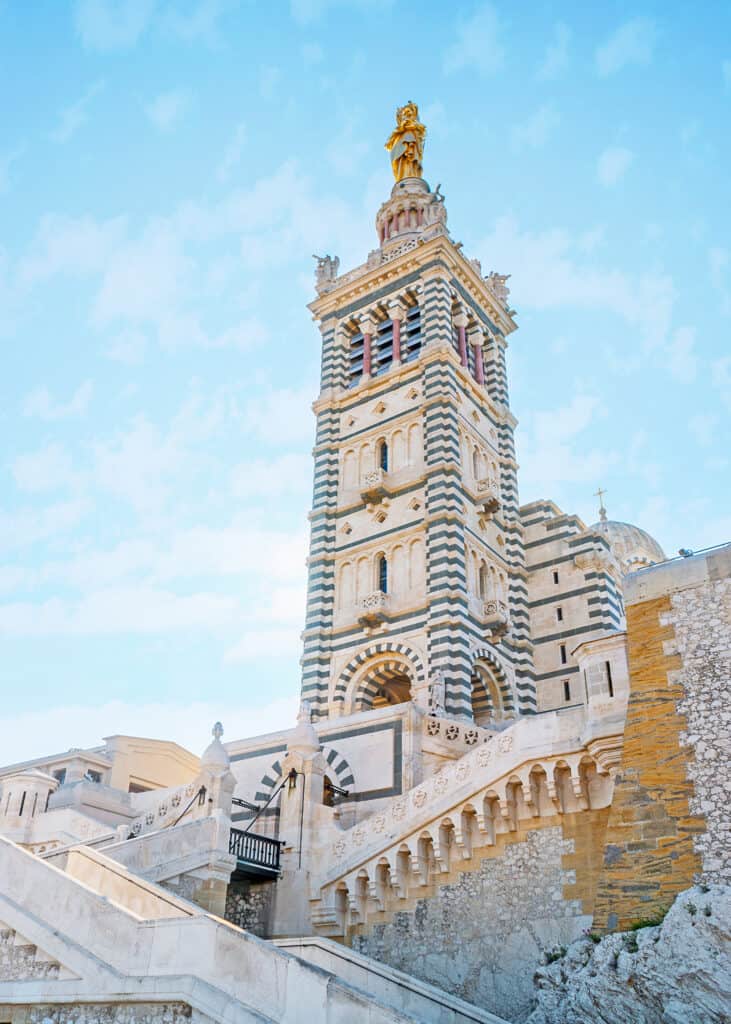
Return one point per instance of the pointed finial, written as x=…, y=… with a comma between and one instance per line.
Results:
x=602, y=511
x=217, y=731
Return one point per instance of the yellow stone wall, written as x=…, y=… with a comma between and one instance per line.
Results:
x=649, y=855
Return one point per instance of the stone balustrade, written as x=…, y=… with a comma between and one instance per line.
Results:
x=512, y=778
x=488, y=495
x=373, y=608
x=496, y=617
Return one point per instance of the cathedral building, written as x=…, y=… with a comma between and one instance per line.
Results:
x=498, y=741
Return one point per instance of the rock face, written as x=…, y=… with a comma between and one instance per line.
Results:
x=677, y=973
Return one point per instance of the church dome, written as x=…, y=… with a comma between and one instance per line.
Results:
x=632, y=547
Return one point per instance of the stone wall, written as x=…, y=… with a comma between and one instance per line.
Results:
x=666, y=822
x=701, y=618
x=483, y=937
x=104, y=1013
x=249, y=905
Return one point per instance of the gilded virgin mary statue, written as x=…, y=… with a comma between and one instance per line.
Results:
x=406, y=143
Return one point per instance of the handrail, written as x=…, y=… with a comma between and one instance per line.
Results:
x=259, y=851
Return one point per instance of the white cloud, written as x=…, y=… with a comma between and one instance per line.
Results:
x=121, y=610
x=51, y=729
x=232, y=153
x=682, y=360
x=556, y=58
x=74, y=116
x=703, y=428
x=535, y=131
x=277, y=643
x=47, y=469
x=478, y=44
x=269, y=78
x=613, y=164
x=31, y=526
x=129, y=347
x=201, y=22
x=169, y=108
x=286, y=474
x=632, y=43
x=283, y=415
x=312, y=53
x=721, y=379
x=112, y=24
x=6, y=162
x=39, y=403
x=551, y=454
x=548, y=274
x=68, y=245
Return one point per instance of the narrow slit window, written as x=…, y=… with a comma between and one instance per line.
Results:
x=22, y=803
x=610, y=684
x=566, y=690
x=562, y=649
x=559, y=614
x=383, y=574
x=383, y=456
x=555, y=575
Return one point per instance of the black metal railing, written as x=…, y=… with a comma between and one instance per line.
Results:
x=255, y=851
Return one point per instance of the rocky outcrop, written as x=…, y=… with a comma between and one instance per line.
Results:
x=676, y=973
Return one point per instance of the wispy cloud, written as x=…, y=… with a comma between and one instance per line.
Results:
x=535, y=131
x=632, y=43
x=682, y=359
x=478, y=45
x=112, y=24
x=41, y=404
x=613, y=164
x=232, y=153
x=169, y=108
x=6, y=162
x=556, y=57
x=74, y=116
x=48, y=469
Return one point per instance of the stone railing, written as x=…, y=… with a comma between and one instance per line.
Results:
x=459, y=734
x=496, y=617
x=373, y=485
x=488, y=495
x=516, y=775
x=165, y=810
x=373, y=608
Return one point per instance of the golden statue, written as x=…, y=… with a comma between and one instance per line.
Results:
x=406, y=143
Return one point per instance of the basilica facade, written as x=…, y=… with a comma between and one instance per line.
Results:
x=510, y=731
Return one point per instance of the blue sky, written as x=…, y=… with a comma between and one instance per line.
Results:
x=166, y=171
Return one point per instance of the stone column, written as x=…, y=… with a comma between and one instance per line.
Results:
x=300, y=818
x=368, y=328
x=397, y=312
x=476, y=338
x=460, y=322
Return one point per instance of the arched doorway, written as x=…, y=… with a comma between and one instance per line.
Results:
x=383, y=683
x=487, y=702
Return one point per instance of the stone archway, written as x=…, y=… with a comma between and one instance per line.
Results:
x=492, y=699
x=382, y=673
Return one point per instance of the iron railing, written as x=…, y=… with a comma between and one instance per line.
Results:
x=255, y=851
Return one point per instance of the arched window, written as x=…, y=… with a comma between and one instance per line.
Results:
x=475, y=464
x=484, y=578
x=383, y=456
x=382, y=574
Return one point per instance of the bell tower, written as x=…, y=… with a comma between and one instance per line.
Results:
x=417, y=582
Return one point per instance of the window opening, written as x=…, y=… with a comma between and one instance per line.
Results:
x=566, y=690
x=22, y=803
x=555, y=575
x=483, y=581
x=610, y=684
x=562, y=649
x=383, y=456
x=559, y=614
x=382, y=348
x=383, y=574
x=60, y=774
x=411, y=335
x=356, y=359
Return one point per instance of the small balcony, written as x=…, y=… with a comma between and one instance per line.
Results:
x=496, y=618
x=488, y=496
x=373, y=609
x=374, y=487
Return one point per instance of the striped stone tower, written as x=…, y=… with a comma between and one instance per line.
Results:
x=417, y=581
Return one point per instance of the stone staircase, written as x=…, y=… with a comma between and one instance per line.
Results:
x=21, y=959
x=507, y=783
